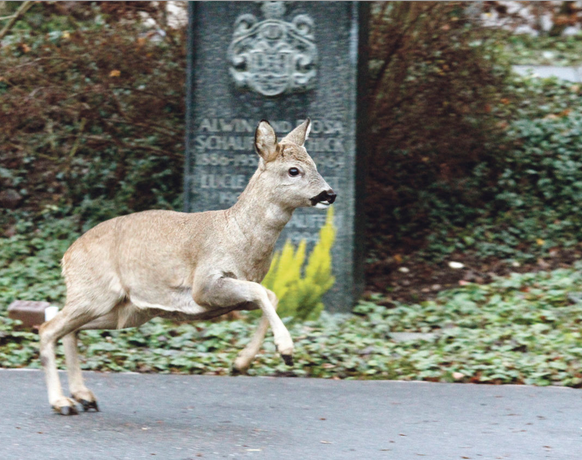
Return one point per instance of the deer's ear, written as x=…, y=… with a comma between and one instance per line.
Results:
x=300, y=134
x=266, y=141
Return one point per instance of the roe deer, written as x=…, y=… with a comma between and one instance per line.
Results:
x=130, y=269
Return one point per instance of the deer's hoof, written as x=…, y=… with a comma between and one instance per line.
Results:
x=88, y=405
x=236, y=372
x=86, y=398
x=65, y=406
x=288, y=359
x=67, y=410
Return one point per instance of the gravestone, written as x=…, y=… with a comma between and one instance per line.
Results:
x=283, y=62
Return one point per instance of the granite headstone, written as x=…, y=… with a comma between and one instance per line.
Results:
x=283, y=62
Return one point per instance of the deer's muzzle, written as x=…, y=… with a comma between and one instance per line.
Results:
x=325, y=198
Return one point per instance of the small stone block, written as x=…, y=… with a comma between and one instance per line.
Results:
x=31, y=313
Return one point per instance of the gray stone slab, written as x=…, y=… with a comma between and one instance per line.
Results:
x=283, y=62
x=188, y=417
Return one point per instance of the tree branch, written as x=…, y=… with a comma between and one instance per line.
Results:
x=23, y=9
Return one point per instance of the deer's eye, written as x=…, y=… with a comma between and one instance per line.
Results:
x=293, y=171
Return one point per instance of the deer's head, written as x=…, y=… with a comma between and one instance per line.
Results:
x=289, y=171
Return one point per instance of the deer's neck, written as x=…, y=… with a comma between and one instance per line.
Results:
x=260, y=217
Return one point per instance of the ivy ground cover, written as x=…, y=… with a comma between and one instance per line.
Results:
x=520, y=329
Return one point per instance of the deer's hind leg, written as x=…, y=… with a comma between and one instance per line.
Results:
x=124, y=315
x=79, y=310
x=79, y=392
x=65, y=322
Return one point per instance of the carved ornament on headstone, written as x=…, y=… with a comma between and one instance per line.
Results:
x=273, y=56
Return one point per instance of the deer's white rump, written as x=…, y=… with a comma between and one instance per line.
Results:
x=130, y=269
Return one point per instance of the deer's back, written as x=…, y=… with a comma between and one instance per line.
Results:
x=144, y=250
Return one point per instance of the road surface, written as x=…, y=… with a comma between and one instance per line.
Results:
x=191, y=417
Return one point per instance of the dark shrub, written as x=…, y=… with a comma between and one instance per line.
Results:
x=436, y=81
x=92, y=119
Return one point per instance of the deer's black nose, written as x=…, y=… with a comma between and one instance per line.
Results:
x=326, y=197
x=330, y=194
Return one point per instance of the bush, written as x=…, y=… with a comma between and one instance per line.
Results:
x=562, y=51
x=543, y=174
x=466, y=158
x=534, y=204
x=437, y=81
x=92, y=117
x=300, y=288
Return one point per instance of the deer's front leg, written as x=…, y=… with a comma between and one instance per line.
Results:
x=222, y=292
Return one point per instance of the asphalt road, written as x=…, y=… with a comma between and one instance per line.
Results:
x=191, y=417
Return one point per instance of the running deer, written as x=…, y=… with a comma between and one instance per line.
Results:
x=197, y=266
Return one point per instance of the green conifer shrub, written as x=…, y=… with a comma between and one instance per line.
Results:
x=300, y=289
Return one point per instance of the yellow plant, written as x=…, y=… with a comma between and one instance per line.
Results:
x=300, y=289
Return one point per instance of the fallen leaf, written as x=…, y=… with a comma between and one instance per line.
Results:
x=114, y=73
x=565, y=113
